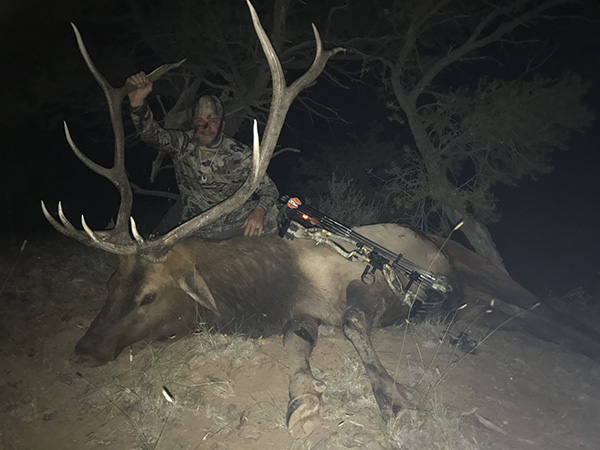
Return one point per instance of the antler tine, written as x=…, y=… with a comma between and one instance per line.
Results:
x=280, y=104
x=111, y=247
x=136, y=234
x=66, y=228
x=100, y=170
x=255, y=151
x=63, y=218
x=111, y=92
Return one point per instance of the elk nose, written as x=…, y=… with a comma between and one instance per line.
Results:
x=90, y=352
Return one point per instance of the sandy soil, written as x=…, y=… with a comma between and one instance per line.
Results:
x=230, y=392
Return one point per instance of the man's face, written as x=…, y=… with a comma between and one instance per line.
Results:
x=207, y=127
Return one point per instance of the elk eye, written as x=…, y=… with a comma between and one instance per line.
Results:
x=148, y=298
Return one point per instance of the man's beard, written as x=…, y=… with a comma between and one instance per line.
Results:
x=204, y=138
x=215, y=139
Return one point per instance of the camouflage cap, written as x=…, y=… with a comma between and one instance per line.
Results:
x=209, y=104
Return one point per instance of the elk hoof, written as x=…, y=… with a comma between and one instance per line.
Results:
x=302, y=415
x=392, y=399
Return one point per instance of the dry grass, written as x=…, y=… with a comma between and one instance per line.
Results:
x=348, y=403
x=433, y=426
x=135, y=391
x=428, y=423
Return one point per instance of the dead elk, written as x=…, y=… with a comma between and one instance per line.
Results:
x=260, y=286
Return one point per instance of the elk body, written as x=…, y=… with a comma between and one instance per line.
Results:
x=252, y=285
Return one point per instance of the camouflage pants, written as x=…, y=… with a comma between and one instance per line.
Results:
x=224, y=228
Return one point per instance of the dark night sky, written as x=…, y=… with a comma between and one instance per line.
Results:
x=548, y=234
x=549, y=231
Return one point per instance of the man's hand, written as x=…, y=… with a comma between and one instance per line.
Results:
x=253, y=226
x=143, y=85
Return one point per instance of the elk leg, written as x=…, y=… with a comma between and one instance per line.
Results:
x=391, y=396
x=299, y=339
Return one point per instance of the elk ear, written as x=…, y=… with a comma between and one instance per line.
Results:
x=195, y=286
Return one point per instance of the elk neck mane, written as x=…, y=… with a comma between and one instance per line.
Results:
x=256, y=282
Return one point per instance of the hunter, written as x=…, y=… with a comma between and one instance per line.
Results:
x=209, y=167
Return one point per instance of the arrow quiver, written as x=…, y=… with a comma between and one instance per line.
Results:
x=298, y=220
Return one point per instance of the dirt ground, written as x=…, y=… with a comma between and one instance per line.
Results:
x=230, y=392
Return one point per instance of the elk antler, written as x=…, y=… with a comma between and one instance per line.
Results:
x=117, y=174
x=282, y=98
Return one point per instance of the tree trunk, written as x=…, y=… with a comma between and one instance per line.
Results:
x=476, y=232
x=479, y=237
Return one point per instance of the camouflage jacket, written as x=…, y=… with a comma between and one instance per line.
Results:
x=205, y=176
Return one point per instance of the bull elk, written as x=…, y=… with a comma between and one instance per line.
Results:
x=164, y=286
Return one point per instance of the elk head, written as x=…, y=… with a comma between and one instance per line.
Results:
x=152, y=292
